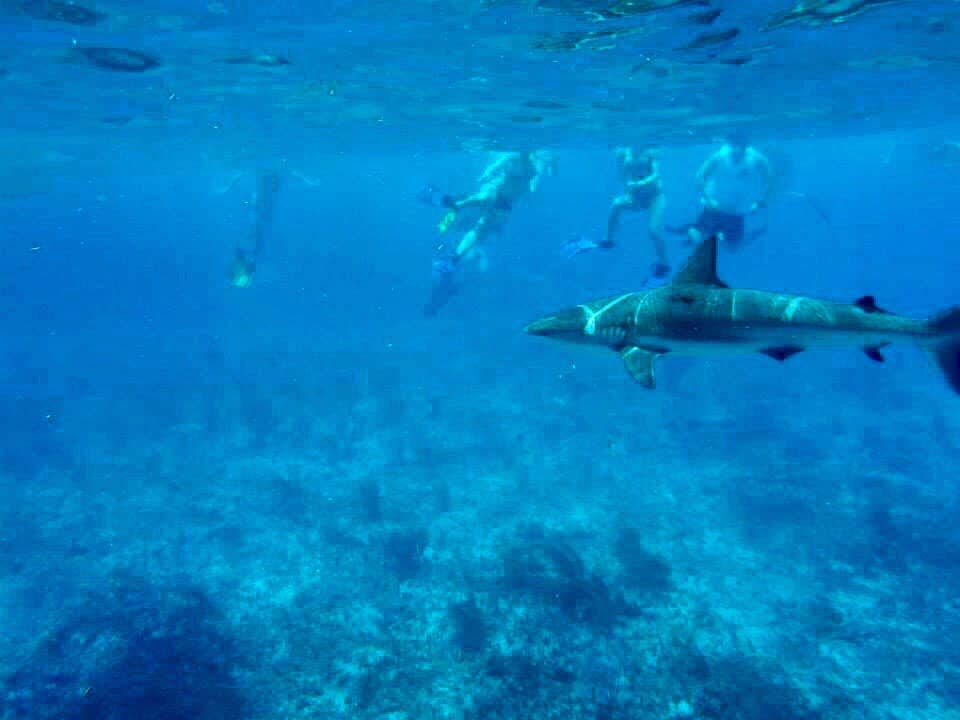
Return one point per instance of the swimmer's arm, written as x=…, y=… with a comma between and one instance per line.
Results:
x=704, y=174
x=535, y=182
x=653, y=177
x=623, y=156
x=307, y=180
x=706, y=170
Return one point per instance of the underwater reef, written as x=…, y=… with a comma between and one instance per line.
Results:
x=233, y=553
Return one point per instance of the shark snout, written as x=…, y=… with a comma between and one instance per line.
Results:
x=564, y=324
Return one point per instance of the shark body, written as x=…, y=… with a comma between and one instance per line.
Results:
x=698, y=314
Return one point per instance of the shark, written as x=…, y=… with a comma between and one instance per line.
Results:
x=698, y=314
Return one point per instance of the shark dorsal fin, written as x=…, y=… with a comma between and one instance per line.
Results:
x=701, y=267
x=868, y=303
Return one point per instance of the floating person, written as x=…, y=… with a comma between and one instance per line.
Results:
x=60, y=11
x=245, y=261
x=709, y=40
x=944, y=152
x=118, y=59
x=268, y=181
x=814, y=13
x=735, y=182
x=705, y=17
x=643, y=192
x=698, y=314
x=509, y=177
x=261, y=59
x=613, y=9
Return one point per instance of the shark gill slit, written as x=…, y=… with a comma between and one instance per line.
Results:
x=590, y=325
x=792, y=308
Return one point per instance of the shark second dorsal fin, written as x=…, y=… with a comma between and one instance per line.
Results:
x=701, y=267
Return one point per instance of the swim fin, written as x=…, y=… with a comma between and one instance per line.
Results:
x=444, y=285
x=578, y=245
x=433, y=197
x=660, y=275
x=679, y=229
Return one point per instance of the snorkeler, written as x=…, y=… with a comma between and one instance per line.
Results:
x=484, y=214
x=643, y=192
x=245, y=263
x=735, y=182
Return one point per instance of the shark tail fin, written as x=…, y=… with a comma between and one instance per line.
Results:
x=946, y=347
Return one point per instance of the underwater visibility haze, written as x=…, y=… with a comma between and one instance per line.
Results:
x=479, y=360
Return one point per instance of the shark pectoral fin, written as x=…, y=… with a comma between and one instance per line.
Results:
x=639, y=364
x=782, y=353
x=873, y=352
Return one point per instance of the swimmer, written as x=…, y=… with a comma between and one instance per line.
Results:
x=509, y=177
x=245, y=262
x=734, y=183
x=643, y=192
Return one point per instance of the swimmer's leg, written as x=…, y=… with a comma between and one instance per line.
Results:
x=706, y=224
x=445, y=282
x=661, y=268
x=470, y=239
x=478, y=259
x=620, y=204
x=733, y=230
x=488, y=226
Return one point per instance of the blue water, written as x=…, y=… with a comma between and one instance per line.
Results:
x=303, y=499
